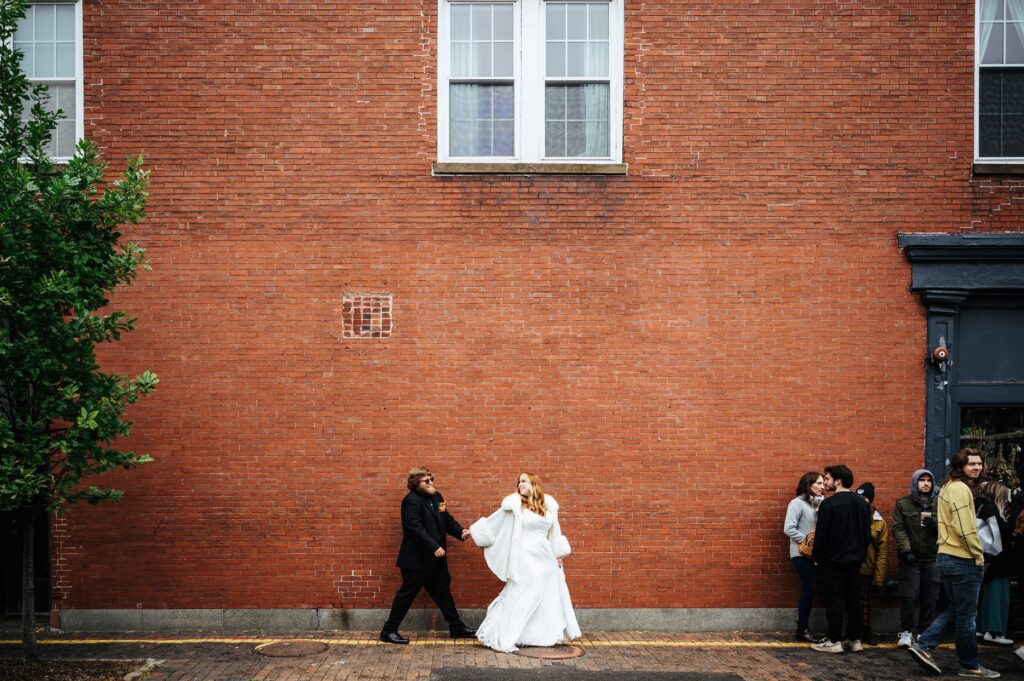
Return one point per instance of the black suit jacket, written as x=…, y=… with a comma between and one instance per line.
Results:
x=424, y=530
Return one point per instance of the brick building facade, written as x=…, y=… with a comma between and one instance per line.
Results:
x=670, y=337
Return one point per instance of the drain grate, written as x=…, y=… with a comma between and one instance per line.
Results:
x=291, y=648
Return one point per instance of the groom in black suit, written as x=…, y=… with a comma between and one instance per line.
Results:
x=423, y=558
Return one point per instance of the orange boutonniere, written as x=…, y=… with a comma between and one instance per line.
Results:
x=441, y=508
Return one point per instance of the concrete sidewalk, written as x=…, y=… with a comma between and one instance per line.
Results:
x=434, y=657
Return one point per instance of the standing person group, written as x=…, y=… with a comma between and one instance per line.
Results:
x=944, y=539
x=524, y=547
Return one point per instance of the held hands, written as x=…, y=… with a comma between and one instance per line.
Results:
x=559, y=562
x=439, y=553
x=465, y=535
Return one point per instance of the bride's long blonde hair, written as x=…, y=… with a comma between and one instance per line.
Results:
x=534, y=502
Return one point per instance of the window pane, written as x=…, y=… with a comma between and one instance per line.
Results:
x=481, y=22
x=44, y=61
x=503, y=22
x=989, y=135
x=502, y=103
x=65, y=141
x=599, y=22
x=44, y=19
x=1013, y=135
x=65, y=22
x=575, y=108
x=24, y=30
x=994, y=47
x=576, y=21
x=554, y=103
x=555, y=22
x=64, y=96
x=28, y=62
x=597, y=60
x=577, y=120
x=482, y=59
x=462, y=60
x=991, y=9
x=65, y=60
x=481, y=120
x=554, y=139
x=484, y=138
x=460, y=21
x=990, y=96
x=503, y=61
x=1014, y=44
x=504, y=138
x=555, y=59
x=576, y=59
x=1014, y=11
x=575, y=138
x=1013, y=92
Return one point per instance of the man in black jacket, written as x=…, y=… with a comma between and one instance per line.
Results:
x=841, y=538
x=423, y=556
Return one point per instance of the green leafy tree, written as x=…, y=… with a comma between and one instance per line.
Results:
x=60, y=258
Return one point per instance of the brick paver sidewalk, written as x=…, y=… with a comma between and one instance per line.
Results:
x=434, y=657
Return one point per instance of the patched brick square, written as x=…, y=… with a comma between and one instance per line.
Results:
x=366, y=315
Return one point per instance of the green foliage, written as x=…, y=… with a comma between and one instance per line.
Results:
x=60, y=259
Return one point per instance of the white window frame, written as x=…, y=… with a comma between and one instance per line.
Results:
x=978, y=68
x=528, y=90
x=79, y=78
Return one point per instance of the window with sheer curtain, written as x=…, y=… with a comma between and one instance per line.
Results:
x=530, y=81
x=999, y=62
x=50, y=38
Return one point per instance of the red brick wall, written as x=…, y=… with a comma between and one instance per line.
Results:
x=669, y=350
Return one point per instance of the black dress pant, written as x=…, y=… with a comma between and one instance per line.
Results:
x=438, y=584
x=839, y=590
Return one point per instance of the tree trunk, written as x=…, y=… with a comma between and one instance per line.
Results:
x=28, y=585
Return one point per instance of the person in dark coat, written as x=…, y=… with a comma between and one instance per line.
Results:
x=841, y=539
x=423, y=558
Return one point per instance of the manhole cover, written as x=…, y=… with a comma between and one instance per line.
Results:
x=552, y=653
x=292, y=648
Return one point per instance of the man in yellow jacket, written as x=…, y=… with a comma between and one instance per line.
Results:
x=962, y=565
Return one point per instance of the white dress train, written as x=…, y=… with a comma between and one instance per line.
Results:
x=534, y=608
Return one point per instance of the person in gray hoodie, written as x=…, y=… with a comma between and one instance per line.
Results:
x=915, y=529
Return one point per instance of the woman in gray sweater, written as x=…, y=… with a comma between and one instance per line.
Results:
x=800, y=518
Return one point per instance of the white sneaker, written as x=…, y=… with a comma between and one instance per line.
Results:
x=906, y=640
x=998, y=639
x=828, y=646
x=854, y=646
x=1019, y=652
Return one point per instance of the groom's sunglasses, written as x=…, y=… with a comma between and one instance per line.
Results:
x=429, y=479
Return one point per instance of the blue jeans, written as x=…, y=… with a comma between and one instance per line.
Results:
x=961, y=579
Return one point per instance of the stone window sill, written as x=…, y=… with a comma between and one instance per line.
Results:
x=999, y=168
x=530, y=168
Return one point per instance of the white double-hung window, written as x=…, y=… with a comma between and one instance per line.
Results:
x=530, y=81
x=50, y=38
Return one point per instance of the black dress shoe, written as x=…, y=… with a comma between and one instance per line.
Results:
x=464, y=632
x=393, y=637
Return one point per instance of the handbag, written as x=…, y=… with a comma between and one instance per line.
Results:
x=989, y=536
x=806, y=547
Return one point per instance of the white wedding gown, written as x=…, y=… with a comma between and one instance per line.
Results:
x=534, y=609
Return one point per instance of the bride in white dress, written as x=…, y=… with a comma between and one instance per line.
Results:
x=524, y=547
